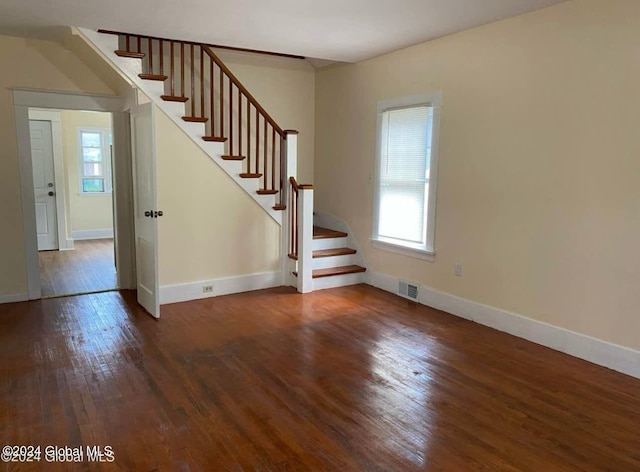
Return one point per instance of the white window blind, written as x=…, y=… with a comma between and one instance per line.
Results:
x=405, y=155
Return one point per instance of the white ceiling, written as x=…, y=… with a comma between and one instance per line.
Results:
x=337, y=30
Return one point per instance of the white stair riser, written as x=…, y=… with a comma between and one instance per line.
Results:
x=329, y=243
x=251, y=185
x=342, y=280
x=334, y=261
x=131, y=66
x=155, y=88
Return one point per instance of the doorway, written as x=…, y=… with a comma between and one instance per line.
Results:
x=93, y=179
x=73, y=206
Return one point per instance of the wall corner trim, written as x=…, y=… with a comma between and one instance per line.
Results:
x=222, y=286
x=597, y=351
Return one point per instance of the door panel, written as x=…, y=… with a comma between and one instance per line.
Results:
x=41, y=218
x=44, y=184
x=145, y=201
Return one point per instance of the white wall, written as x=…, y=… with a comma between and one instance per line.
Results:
x=539, y=178
x=211, y=227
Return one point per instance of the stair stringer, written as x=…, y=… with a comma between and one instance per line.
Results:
x=106, y=44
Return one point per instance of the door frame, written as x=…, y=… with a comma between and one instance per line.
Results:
x=23, y=99
x=53, y=116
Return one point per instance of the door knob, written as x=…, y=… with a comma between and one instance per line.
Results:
x=51, y=194
x=148, y=213
x=50, y=185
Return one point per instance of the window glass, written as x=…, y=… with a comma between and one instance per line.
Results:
x=404, y=215
x=93, y=185
x=404, y=169
x=95, y=162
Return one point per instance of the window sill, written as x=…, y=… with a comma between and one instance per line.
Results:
x=404, y=250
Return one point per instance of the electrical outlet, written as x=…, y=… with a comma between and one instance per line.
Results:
x=457, y=269
x=207, y=288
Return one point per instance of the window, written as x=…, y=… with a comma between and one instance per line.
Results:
x=94, y=151
x=404, y=213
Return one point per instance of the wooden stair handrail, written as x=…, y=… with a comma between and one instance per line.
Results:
x=243, y=89
x=296, y=186
x=207, y=48
x=217, y=46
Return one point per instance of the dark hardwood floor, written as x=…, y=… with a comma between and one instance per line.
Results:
x=90, y=267
x=349, y=379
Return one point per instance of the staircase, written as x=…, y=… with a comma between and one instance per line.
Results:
x=334, y=264
x=199, y=93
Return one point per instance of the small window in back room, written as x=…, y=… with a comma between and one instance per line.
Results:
x=95, y=160
x=406, y=174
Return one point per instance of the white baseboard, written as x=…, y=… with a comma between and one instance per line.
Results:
x=17, y=297
x=106, y=233
x=223, y=286
x=585, y=347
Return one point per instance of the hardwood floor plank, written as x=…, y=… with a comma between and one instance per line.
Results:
x=90, y=267
x=348, y=379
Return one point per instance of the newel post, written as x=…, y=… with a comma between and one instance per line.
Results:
x=291, y=154
x=305, y=239
x=290, y=169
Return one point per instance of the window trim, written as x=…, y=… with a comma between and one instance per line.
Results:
x=106, y=161
x=426, y=251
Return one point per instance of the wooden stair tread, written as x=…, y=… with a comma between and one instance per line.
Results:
x=249, y=175
x=152, y=76
x=264, y=191
x=195, y=119
x=279, y=207
x=350, y=269
x=341, y=251
x=342, y=270
x=216, y=139
x=173, y=98
x=324, y=233
x=233, y=158
x=134, y=55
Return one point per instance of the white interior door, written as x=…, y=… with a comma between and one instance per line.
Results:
x=145, y=207
x=44, y=184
